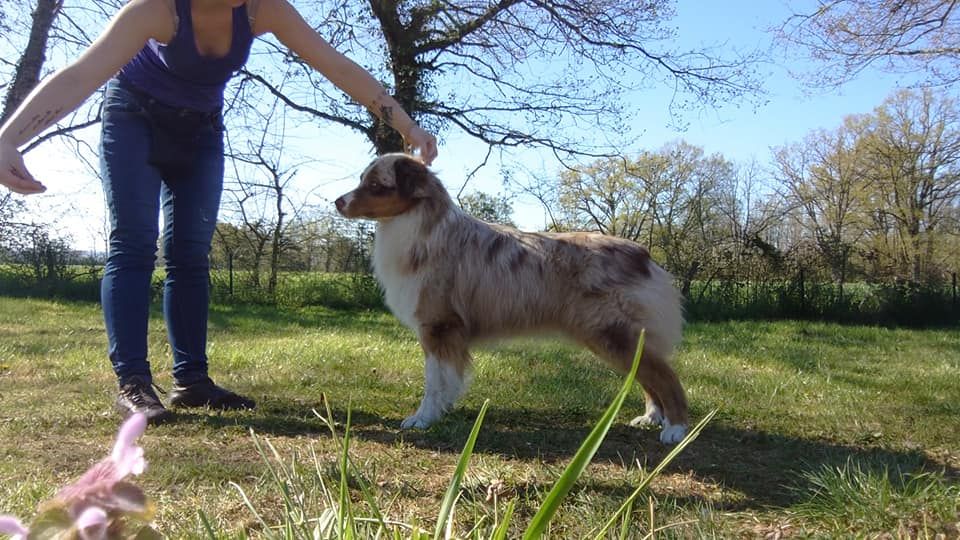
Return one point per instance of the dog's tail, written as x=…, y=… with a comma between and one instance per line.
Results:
x=660, y=307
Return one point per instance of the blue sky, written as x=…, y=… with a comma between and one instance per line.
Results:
x=740, y=133
x=791, y=111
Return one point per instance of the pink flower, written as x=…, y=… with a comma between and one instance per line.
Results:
x=102, y=487
x=98, y=501
x=126, y=459
x=12, y=526
x=92, y=524
x=126, y=455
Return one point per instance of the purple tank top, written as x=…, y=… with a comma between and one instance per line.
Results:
x=177, y=75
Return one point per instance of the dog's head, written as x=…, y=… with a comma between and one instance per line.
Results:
x=390, y=186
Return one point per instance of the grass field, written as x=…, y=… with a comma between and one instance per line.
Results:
x=822, y=430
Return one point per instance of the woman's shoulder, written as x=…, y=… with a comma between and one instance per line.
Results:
x=162, y=15
x=270, y=15
x=159, y=6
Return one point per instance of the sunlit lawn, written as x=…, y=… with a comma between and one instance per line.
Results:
x=807, y=411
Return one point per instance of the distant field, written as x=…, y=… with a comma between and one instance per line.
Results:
x=822, y=430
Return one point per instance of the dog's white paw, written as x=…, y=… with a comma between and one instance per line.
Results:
x=652, y=418
x=417, y=421
x=672, y=434
x=426, y=415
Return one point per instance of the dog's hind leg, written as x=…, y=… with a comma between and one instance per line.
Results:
x=446, y=365
x=661, y=382
x=666, y=402
x=652, y=414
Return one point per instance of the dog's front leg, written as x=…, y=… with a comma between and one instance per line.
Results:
x=447, y=360
x=442, y=386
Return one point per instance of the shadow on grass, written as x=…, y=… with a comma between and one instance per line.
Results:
x=765, y=469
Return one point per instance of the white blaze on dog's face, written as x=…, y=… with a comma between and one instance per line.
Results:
x=389, y=187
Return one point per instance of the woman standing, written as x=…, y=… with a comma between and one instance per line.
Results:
x=166, y=64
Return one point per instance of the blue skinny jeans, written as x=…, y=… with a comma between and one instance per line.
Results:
x=157, y=158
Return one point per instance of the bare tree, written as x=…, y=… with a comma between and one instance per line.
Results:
x=514, y=73
x=262, y=194
x=52, y=25
x=9, y=227
x=30, y=65
x=846, y=37
x=4, y=19
x=751, y=209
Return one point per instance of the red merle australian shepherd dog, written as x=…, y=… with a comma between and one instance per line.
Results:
x=455, y=280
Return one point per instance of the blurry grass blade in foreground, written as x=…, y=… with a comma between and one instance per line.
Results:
x=624, y=509
x=444, y=520
x=584, y=454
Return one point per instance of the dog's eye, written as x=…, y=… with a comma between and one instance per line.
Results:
x=377, y=188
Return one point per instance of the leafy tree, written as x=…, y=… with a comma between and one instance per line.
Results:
x=489, y=208
x=688, y=225
x=604, y=197
x=914, y=152
x=825, y=179
x=668, y=199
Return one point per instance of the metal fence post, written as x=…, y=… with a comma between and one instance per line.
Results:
x=954, y=290
x=803, y=294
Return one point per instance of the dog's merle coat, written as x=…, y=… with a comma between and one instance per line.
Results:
x=455, y=280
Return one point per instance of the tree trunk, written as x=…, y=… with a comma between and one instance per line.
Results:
x=407, y=72
x=30, y=64
x=275, y=244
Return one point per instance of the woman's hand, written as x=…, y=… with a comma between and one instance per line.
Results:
x=419, y=140
x=14, y=174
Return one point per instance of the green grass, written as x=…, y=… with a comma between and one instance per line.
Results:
x=821, y=428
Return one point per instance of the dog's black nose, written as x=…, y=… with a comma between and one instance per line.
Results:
x=340, y=203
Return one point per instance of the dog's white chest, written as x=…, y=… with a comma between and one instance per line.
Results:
x=401, y=288
x=402, y=294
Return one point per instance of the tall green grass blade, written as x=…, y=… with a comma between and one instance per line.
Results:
x=253, y=509
x=500, y=533
x=364, y=486
x=453, y=490
x=207, y=527
x=344, y=506
x=625, y=523
x=589, y=447
x=627, y=504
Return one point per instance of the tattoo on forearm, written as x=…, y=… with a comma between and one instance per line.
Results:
x=40, y=122
x=386, y=114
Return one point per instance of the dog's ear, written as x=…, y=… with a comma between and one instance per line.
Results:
x=411, y=176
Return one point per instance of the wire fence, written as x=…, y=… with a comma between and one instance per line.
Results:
x=802, y=296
